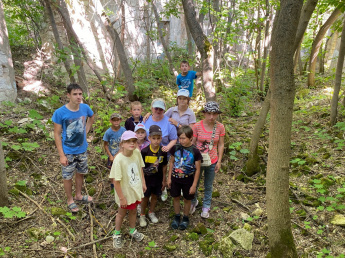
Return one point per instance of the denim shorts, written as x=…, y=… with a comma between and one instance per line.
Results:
x=75, y=161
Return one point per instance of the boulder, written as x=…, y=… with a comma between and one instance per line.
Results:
x=243, y=238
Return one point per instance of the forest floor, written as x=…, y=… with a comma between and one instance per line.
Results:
x=317, y=182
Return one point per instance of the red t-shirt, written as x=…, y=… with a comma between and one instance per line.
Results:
x=203, y=139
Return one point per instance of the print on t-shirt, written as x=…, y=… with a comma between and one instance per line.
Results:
x=114, y=145
x=133, y=174
x=204, y=147
x=184, y=164
x=185, y=83
x=75, y=132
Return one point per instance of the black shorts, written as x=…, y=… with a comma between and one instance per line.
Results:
x=156, y=190
x=184, y=184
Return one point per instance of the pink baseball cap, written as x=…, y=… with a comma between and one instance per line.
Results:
x=128, y=135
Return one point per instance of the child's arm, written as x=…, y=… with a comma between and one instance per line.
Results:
x=198, y=73
x=146, y=117
x=118, y=189
x=164, y=183
x=192, y=189
x=220, y=153
x=106, y=147
x=143, y=180
x=169, y=146
x=171, y=161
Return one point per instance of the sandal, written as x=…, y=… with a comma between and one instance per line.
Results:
x=73, y=207
x=84, y=199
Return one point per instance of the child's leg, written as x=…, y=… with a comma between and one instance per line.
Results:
x=153, y=202
x=132, y=218
x=177, y=206
x=119, y=218
x=186, y=209
x=144, y=203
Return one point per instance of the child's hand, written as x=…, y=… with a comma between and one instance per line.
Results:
x=165, y=148
x=169, y=183
x=164, y=184
x=144, y=188
x=146, y=117
x=216, y=169
x=192, y=189
x=123, y=202
x=173, y=122
x=64, y=160
x=111, y=158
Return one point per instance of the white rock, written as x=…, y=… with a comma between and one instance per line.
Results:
x=243, y=238
x=50, y=239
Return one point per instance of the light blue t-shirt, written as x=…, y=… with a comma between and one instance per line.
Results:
x=186, y=82
x=169, y=132
x=73, y=128
x=113, y=138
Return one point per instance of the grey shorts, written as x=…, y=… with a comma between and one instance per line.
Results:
x=75, y=162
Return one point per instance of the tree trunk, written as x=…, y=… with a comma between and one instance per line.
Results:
x=338, y=74
x=161, y=37
x=189, y=38
x=258, y=49
x=147, y=28
x=58, y=40
x=122, y=34
x=216, y=51
x=317, y=44
x=3, y=179
x=204, y=46
x=282, y=99
x=123, y=58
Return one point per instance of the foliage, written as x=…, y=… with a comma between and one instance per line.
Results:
x=12, y=212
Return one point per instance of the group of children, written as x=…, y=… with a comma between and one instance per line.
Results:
x=139, y=167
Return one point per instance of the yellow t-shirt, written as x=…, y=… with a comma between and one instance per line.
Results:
x=127, y=170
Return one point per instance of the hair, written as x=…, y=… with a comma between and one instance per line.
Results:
x=73, y=86
x=185, y=129
x=135, y=103
x=156, y=100
x=184, y=62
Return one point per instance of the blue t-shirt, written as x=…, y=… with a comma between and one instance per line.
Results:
x=169, y=132
x=186, y=82
x=73, y=128
x=113, y=138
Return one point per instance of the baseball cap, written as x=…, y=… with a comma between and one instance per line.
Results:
x=155, y=130
x=128, y=135
x=183, y=92
x=212, y=107
x=139, y=126
x=115, y=115
x=158, y=103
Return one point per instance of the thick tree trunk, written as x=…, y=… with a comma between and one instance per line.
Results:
x=58, y=40
x=204, y=46
x=338, y=74
x=123, y=58
x=3, y=179
x=189, y=38
x=317, y=44
x=282, y=98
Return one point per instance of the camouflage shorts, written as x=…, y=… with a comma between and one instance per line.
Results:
x=75, y=161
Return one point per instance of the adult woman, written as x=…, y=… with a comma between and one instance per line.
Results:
x=181, y=114
x=169, y=133
x=208, y=135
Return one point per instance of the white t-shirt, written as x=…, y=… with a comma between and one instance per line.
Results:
x=127, y=170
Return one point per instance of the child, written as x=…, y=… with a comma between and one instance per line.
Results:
x=128, y=179
x=184, y=171
x=112, y=138
x=155, y=173
x=185, y=80
x=136, y=117
x=140, y=131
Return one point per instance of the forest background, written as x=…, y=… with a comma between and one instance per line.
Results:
x=275, y=67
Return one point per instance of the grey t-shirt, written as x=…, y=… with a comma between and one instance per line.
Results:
x=187, y=118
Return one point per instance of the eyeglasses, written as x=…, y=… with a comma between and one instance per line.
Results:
x=158, y=109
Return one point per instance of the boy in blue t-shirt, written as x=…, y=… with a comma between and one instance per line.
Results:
x=185, y=80
x=72, y=122
x=112, y=138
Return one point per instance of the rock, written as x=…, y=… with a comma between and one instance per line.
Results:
x=247, y=227
x=243, y=238
x=50, y=239
x=200, y=229
x=226, y=247
x=258, y=211
x=244, y=216
x=170, y=248
x=338, y=220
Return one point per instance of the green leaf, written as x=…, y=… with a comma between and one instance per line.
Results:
x=244, y=151
x=21, y=183
x=321, y=208
x=329, y=208
x=34, y=114
x=322, y=199
x=152, y=244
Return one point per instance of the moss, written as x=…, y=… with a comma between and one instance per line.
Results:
x=101, y=206
x=252, y=165
x=326, y=155
x=89, y=179
x=173, y=238
x=57, y=211
x=200, y=229
x=206, y=245
x=14, y=191
x=301, y=213
x=227, y=209
x=170, y=248
x=284, y=246
x=215, y=194
x=92, y=191
x=36, y=176
x=192, y=236
x=318, y=176
x=327, y=182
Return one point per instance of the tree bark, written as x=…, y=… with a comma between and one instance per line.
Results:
x=58, y=40
x=317, y=44
x=282, y=99
x=338, y=74
x=3, y=179
x=189, y=38
x=204, y=46
x=147, y=27
x=122, y=34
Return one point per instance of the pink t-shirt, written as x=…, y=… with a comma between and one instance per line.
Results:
x=203, y=139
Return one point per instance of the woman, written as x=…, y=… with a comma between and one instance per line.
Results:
x=181, y=114
x=208, y=135
x=169, y=133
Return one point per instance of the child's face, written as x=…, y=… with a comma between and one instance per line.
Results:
x=184, y=68
x=129, y=145
x=210, y=117
x=184, y=140
x=136, y=111
x=182, y=100
x=115, y=122
x=141, y=134
x=155, y=140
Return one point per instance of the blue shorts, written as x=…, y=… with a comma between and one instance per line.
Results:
x=75, y=161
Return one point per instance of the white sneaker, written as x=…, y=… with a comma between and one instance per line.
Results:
x=164, y=195
x=117, y=241
x=205, y=213
x=193, y=207
x=142, y=221
x=137, y=236
x=153, y=217
x=138, y=210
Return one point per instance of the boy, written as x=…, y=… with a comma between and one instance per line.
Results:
x=140, y=131
x=185, y=80
x=184, y=171
x=155, y=173
x=73, y=121
x=112, y=138
x=136, y=117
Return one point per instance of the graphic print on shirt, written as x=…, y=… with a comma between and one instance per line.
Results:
x=204, y=146
x=114, y=145
x=75, y=132
x=133, y=174
x=184, y=164
x=185, y=83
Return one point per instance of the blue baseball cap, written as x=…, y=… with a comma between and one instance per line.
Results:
x=158, y=103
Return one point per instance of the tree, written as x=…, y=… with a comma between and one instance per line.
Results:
x=338, y=74
x=282, y=99
x=3, y=179
x=204, y=46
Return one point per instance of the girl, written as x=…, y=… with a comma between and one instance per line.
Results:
x=129, y=183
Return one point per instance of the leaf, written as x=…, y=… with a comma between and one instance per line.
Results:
x=322, y=199
x=316, y=181
x=16, y=208
x=152, y=244
x=329, y=208
x=34, y=114
x=244, y=151
x=321, y=208
x=21, y=183
x=147, y=248
x=21, y=214
x=16, y=147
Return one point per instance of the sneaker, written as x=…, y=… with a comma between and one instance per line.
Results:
x=205, y=213
x=193, y=207
x=138, y=210
x=164, y=195
x=117, y=241
x=153, y=217
x=176, y=222
x=137, y=236
x=142, y=221
x=184, y=223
